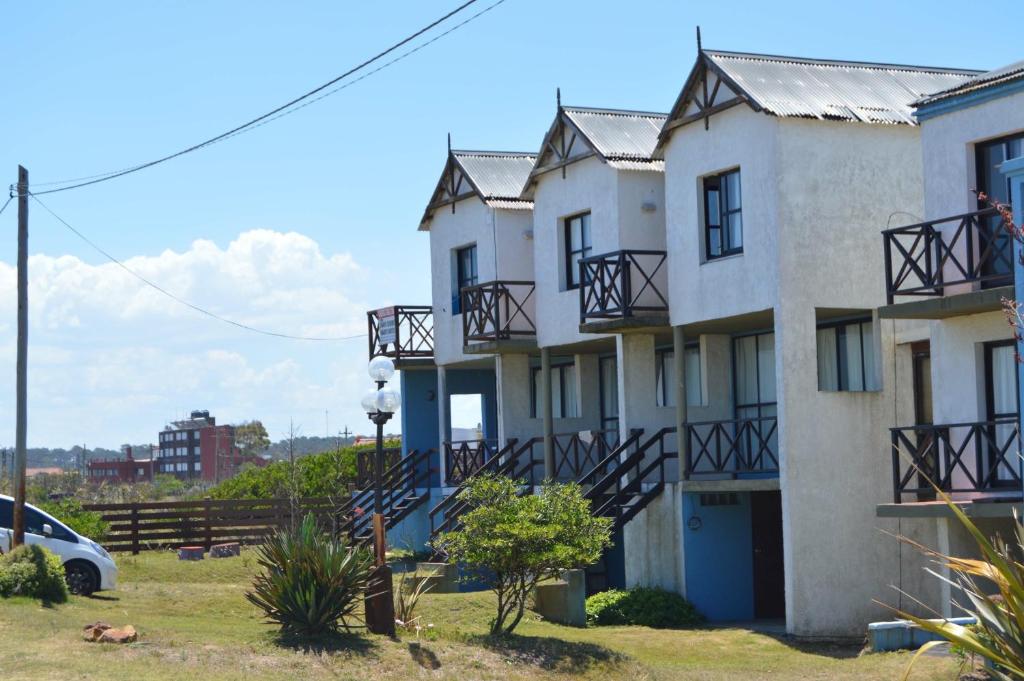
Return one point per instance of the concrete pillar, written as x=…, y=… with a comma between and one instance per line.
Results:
x=637, y=381
x=1014, y=170
x=945, y=590
x=548, y=415
x=513, y=387
x=443, y=425
x=679, y=349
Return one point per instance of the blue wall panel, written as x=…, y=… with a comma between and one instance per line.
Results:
x=419, y=414
x=718, y=558
x=477, y=381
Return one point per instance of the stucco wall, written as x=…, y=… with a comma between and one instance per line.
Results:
x=651, y=546
x=502, y=252
x=838, y=182
x=958, y=367
x=738, y=284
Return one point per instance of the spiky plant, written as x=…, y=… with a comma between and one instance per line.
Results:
x=310, y=583
x=998, y=635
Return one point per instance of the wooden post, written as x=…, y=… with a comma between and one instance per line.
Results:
x=548, y=415
x=208, y=521
x=682, y=439
x=21, y=382
x=135, y=529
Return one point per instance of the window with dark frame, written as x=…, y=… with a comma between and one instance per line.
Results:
x=993, y=238
x=564, y=403
x=846, y=356
x=723, y=216
x=665, y=368
x=1001, y=410
x=465, y=274
x=609, y=387
x=577, y=247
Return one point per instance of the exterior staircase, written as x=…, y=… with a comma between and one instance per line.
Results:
x=406, y=486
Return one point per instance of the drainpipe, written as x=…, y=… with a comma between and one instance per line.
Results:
x=1014, y=171
x=545, y=401
x=679, y=350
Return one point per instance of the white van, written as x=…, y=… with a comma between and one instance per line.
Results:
x=87, y=565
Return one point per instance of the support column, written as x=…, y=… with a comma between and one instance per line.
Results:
x=679, y=385
x=637, y=381
x=443, y=430
x=945, y=590
x=1014, y=170
x=549, y=419
x=512, y=374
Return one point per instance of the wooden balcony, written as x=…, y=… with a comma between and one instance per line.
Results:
x=405, y=333
x=365, y=462
x=623, y=289
x=967, y=251
x=498, y=314
x=732, y=449
x=960, y=458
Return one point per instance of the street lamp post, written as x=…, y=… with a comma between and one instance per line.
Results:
x=380, y=405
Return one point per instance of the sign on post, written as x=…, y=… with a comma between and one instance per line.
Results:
x=387, y=326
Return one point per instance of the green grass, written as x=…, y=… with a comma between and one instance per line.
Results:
x=195, y=623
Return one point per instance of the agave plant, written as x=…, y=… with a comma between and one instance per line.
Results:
x=998, y=636
x=311, y=584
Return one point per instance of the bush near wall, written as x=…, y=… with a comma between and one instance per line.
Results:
x=643, y=606
x=34, y=572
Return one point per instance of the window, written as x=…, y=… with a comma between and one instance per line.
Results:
x=665, y=366
x=465, y=274
x=564, y=404
x=846, y=356
x=609, y=379
x=6, y=514
x=723, y=217
x=577, y=247
x=1001, y=410
x=753, y=359
x=34, y=521
x=993, y=239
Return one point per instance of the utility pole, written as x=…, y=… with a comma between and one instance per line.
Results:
x=21, y=382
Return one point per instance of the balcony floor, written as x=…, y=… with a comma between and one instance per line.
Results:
x=636, y=324
x=943, y=307
x=990, y=507
x=497, y=347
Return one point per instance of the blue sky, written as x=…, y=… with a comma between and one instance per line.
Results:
x=97, y=87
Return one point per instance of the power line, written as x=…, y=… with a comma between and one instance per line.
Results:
x=182, y=301
x=278, y=111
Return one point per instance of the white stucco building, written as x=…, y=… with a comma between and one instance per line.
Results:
x=698, y=317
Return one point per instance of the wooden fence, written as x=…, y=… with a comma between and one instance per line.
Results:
x=139, y=527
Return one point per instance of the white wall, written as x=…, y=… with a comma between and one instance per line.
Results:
x=958, y=369
x=837, y=184
x=502, y=252
x=738, y=284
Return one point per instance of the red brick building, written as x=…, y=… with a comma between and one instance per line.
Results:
x=197, y=448
x=127, y=469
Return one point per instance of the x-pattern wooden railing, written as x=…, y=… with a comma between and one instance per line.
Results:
x=921, y=259
x=497, y=310
x=578, y=453
x=732, y=447
x=365, y=464
x=960, y=457
x=463, y=458
x=621, y=284
x=413, y=336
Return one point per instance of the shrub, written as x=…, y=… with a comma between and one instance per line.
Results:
x=310, y=583
x=514, y=541
x=647, y=607
x=33, y=571
x=70, y=512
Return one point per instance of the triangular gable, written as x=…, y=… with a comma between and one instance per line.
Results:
x=707, y=91
x=455, y=185
x=563, y=144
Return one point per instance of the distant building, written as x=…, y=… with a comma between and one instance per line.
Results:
x=123, y=470
x=197, y=448
x=47, y=470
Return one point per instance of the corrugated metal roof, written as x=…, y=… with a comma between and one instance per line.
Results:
x=833, y=90
x=496, y=174
x=981, y=81
x=509, y=204
x=618, y=134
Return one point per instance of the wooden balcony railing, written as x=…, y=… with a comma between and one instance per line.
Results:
x=401, y=332
x=733, y=448
x=958, y=458
x=577, y=454
x=364, y=464
x=921, y=259
x=463, y=458
x=623, y=283
x=498, y=310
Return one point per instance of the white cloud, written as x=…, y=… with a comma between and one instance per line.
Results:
x=112, y=359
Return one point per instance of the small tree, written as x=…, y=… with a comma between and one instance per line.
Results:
x=514, y=541
x=251, y=437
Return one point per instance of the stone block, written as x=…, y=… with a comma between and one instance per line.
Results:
x=225, y=550
x=563, y=600
x=440, y=578
x=190, y=553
